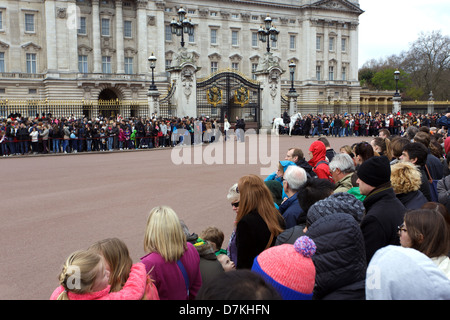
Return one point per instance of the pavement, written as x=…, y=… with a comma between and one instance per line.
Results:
x=53, y=205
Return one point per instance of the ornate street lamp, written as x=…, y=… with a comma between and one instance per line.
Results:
x=396, y=77
x=152, y=60
x=268, y=33
x=292, y=71
x=182, y=25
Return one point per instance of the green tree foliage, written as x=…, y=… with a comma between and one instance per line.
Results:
x=384, y=80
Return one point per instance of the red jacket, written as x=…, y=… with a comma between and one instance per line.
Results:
x=322, y=169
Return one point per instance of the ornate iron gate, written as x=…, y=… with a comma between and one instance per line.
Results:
x=229, y=94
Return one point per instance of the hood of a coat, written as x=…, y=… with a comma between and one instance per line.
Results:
x=399, y=273
x=318, y=151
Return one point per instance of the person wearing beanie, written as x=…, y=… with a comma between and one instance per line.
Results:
x=289, y=268
x=384, y=211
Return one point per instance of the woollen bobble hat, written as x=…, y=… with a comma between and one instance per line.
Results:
x=341, y=202
x=289, y=268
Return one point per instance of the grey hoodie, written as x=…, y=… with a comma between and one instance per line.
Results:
x=398, y=273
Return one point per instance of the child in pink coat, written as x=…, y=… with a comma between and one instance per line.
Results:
x=85, y=276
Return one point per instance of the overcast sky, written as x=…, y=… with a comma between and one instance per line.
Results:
x=388, y=26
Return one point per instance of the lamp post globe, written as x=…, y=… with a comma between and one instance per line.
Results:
x=396, y=78
x=269, y=32
x=152, y=60
x=292, y=67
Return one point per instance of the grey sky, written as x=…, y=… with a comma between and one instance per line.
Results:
x=388, y=26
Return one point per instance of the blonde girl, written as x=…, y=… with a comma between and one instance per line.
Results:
x=85, y=276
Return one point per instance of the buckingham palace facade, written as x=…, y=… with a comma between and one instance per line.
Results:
x=89, y=50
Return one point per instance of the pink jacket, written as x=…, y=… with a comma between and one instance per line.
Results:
x=134, y=288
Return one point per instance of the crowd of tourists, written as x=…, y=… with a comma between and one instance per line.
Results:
x=368, y=221
x=360, y=124
x=45, y=134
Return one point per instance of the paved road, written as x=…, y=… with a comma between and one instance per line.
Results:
x=54, y=205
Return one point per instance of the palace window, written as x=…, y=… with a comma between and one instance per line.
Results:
x=234, y=38
x=331, y=44
x=214, y=66
x=31, y=62
x=292, y=42
x=83, y=64
x=106, y=64
x=128, y=65
x=254, y=39
x=318, y=43
x=344, y=44
x=213, y=36
x=127, y=29
x=2, y=62
x=29, y=22
x=82, y=26
x=105, y=27
x=331, y=73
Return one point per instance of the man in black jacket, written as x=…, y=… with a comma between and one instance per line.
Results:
x=384, y=212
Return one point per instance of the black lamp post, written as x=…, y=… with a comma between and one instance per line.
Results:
x=396, y=77
x=152, y=60
x=182, y=25
x=268, y=33
x=292, y=71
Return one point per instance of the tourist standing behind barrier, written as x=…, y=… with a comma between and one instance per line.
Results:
x=172, y=262
x=45, y=138
x=23, y=136
x=258, y=221
x=55, y=135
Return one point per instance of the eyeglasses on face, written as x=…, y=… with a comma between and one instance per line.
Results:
x=235, y=204
x=401, y=228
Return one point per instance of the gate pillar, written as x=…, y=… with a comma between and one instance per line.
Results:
x=269, y=73
x=183, y=74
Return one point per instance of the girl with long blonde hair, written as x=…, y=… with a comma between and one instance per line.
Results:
x=172, y=262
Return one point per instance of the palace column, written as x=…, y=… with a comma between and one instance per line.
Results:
x=119, y=38
x=50, y=35
x=96, y=37
x=142, y=36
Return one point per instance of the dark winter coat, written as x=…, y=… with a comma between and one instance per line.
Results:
x=291, y=210
x=384, y=213
x=412, y=200
x=340, y=258
x=252, y=237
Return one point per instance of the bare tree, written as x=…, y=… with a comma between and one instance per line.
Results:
x=428, y=63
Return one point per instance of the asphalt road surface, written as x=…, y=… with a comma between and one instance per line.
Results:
x=52, y=205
